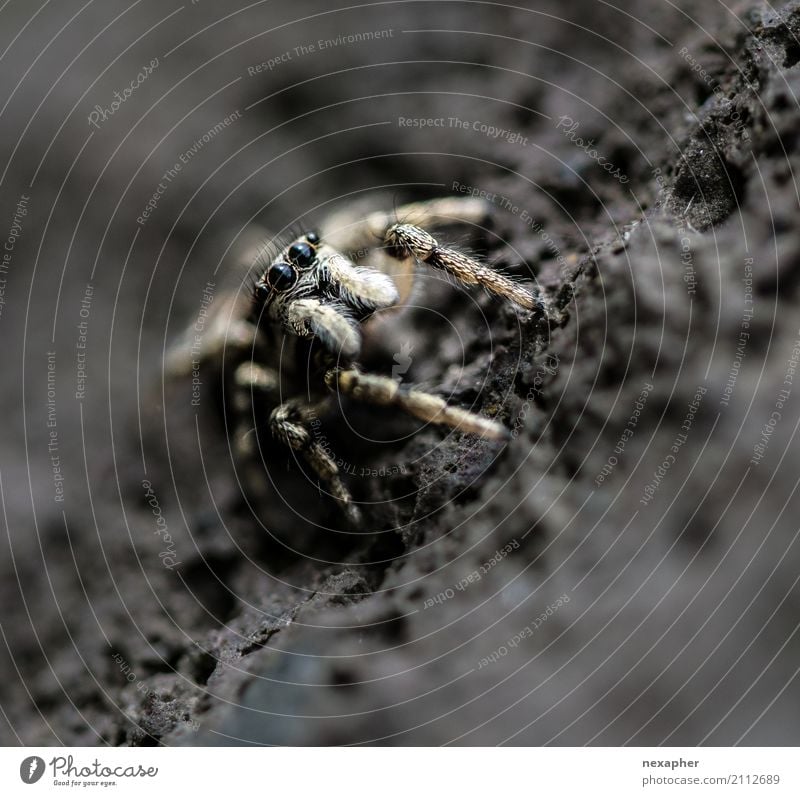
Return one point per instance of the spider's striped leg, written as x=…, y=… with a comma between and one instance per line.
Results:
x=405, y=241
x=289, y=424
x=383, y=391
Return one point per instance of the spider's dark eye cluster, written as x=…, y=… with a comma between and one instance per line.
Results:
x=282, y=276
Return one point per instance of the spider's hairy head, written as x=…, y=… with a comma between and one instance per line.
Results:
x=310, y=289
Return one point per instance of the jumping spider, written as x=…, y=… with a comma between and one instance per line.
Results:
x=295, y=344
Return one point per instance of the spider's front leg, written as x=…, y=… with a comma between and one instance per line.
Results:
x=383, y=391
x=406, y=241
x=289, y=424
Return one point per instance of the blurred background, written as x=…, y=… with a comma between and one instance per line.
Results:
x=624, y=571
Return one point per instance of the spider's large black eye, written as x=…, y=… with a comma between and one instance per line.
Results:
x=281, y=276
x=301, y=254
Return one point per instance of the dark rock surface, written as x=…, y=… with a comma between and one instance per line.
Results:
x=624, y=571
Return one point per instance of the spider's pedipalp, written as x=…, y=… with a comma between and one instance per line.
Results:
x=383, y=391
x=339, y=333
x=362, y=288
x=407, y=241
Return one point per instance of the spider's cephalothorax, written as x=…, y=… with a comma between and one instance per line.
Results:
x=313, y=291
x=297, y=344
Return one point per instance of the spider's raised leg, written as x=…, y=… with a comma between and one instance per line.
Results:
x=289, y=424
x=354, y=231
x=406, y=241
x=383, y=391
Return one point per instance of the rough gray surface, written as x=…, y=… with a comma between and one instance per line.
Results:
x=681, y=622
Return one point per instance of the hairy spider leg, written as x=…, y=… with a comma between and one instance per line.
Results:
x=288, y=423
x=405, y=241
x=383, y=391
